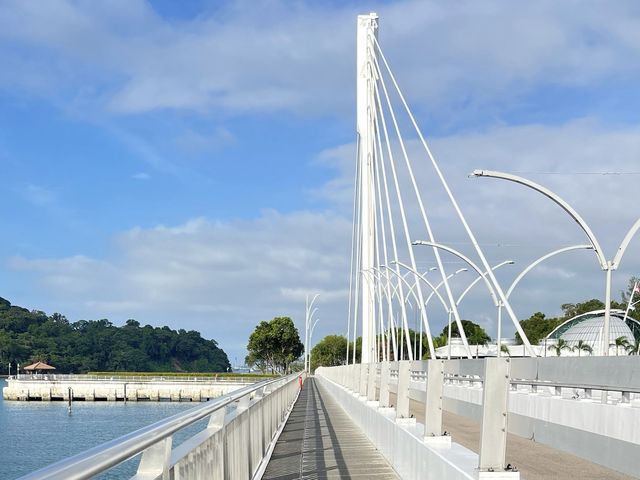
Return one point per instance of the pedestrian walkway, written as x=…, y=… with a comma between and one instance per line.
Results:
x=321, y=442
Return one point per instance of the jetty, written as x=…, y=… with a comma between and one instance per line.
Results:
x=93, y=388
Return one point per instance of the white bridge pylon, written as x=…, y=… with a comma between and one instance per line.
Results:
x=382, y=238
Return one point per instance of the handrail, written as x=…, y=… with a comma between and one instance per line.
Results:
x=131, y=378
x=103, y=457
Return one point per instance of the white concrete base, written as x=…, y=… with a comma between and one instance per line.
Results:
x=406, y=421
x=498, y=475
x=440, y=440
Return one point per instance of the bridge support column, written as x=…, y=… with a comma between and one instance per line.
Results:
x=402, y=395
x=493, y=432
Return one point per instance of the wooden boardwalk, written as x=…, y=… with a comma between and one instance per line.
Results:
x=321, y=442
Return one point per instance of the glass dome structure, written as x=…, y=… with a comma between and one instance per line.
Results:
x=589, y=327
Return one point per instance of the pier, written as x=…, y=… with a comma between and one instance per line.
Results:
x=112, y=389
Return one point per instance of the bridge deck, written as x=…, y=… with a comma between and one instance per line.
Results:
x=320, y=441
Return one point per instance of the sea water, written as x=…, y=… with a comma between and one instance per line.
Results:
x=36, y=434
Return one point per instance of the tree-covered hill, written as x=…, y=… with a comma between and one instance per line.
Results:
x=98, y=345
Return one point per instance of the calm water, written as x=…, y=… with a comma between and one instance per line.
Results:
x=35, y=434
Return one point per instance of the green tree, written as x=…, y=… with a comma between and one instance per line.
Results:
x=274, y=345
x=621, y=342
x=537, y=327
x=99, y=345
x=329, y=352
x=634, y=348
x=582, y=346
x=560, y=345
x=476, y=335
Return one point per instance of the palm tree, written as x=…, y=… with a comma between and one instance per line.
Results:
x=560, y=345
x=621, y=342
x=634, y=348
x=583, y=346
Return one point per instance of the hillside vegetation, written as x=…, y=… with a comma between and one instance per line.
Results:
x=98, y=345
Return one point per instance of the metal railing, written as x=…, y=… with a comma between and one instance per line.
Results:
x=27, y=377
x=231, y=446
x=489, y=384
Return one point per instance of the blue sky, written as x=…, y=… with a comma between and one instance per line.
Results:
x=190, y=163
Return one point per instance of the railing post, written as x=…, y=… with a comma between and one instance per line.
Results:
x=371, y=382
x=384, y=384
x=433, y=403
x=155, y=460
x=362, y=388
x=355, y=377
x=495, y=405
x=402, y=395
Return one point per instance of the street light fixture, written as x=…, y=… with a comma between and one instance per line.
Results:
x=309, y=311
x=449, y=310
x=492, y=291
x=607, y=266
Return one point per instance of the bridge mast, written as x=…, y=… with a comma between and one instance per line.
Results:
x=367, y=26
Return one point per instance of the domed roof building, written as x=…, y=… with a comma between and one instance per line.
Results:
x=589, y=328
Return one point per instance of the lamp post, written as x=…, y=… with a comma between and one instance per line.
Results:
x=309, y=311
x=490, y=286
x=607, y=266
x=446, y=307
x=313, y=327
x=426, y=303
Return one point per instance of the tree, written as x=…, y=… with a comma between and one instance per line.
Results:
x=101, y=346
x=329, y=352
x=476, y=335
x=559, y=346
x=274, y=345
x=621, y=342
x=634, y=348
x=537, y=327
x=582, y=346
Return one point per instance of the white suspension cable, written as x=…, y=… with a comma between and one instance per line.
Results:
x=396, y=183
x=404, y=220
x=456, y=207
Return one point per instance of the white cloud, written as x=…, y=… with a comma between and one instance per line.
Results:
x=141, y=176
x=223, y=277
x=275, y=56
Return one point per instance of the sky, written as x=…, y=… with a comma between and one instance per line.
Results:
x=191, y=163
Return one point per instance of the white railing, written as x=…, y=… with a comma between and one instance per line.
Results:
x=241, y=429
x=56, y=377
x=589, y=398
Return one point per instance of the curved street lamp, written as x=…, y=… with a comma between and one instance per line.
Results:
x=426, y=304
x=448, y=308
x=607, y=266
x=309, y=312
x=492, y=292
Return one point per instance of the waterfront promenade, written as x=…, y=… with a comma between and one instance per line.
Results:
x=126, y=388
